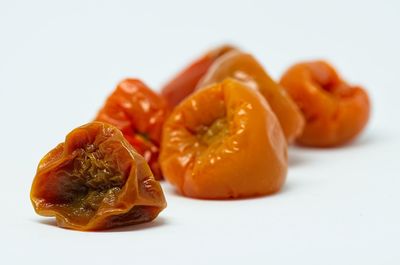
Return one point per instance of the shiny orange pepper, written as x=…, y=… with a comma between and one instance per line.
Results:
x=140, y=114
x=335, y=111
x=185, y=82
x=223, y=142
x=95, y=180
x=244, y=67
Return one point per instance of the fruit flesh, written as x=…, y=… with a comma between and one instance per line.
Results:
x=85, y=181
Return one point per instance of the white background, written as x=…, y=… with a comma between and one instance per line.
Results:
x=59, y=61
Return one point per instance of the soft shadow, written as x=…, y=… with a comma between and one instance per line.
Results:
x=287, y=187
x=295, y=159
x=359, y=142
x=159, y=221
x=48, y=221
x=181, y=196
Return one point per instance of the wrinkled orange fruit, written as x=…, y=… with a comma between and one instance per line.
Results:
x=335, y=111
x=139, y=113
x=224, y=142
x=95, y=180
x=184, y=83
x=244, y=67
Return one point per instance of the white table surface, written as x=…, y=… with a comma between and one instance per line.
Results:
x=58, y=62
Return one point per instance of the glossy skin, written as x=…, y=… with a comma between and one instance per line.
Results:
x=183, y=84
x=224, y=142
x=95, y=180
x=140, y=114
x=244, y=67
x=335, y=111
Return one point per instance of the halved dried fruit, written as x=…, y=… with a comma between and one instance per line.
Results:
x=224, y=142
x=96, y=180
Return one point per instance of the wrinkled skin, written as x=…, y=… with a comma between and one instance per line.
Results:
x=244, y=67
x=140, y=114
x=224, y=142
x=184, y=83
x=335, y=111
x=95, y=180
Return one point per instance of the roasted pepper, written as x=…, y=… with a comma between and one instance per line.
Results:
x=223, y=142
x=185, y=82
x=140, y=114
x=244, y=67
x=335, y=111
x=95, y=180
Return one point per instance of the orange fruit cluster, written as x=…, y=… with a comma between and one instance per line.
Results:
x=219, y=130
